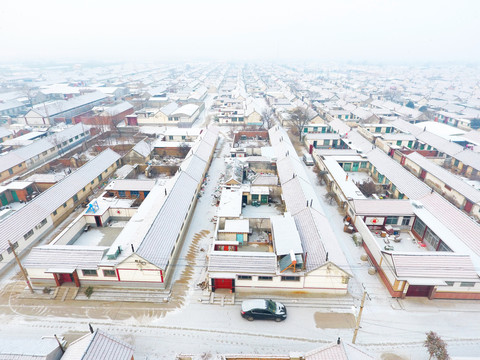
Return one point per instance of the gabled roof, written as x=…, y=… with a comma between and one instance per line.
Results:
x=242, y=262
x=142, y=148
x=342, y=351
x=60, y=106
x=435, y=264
x=98, y=345
x=446, y=176
x=65, y=256
x=21, y=221
x=157, y=245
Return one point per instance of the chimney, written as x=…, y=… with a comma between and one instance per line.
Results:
x=326, y=257
x=133, y=249
x=338, y=341
x=91, y=328
x=311, y=203
x=346, y=177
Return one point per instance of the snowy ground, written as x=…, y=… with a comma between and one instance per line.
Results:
x=186, y=325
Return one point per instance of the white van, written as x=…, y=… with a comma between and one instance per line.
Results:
x=308, y=159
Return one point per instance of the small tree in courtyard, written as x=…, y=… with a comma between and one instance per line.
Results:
x=436, y=347
x=367, y=188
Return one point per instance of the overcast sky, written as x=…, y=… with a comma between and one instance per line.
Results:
x=150, y=30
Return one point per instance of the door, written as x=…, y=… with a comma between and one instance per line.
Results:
x=264, y=199
x=15, y=196
x=65, y=278
x=3, y=199
x=419, y=290
x=224, y=284
x=355, y=166
x=423, y=174
x=240, y=239
x=98, y=221
x=402, y=160
x=468, y=207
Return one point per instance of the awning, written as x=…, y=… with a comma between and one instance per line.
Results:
x=425, y=281
x=60, y=271
x=222, y=276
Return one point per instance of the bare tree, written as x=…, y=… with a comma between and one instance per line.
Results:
x=298, y=119
x=29, y=93
x=367, y=187
x=436, y=346
x=267, y=118
x=183, y=149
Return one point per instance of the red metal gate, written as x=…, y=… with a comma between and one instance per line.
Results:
x=224, y=284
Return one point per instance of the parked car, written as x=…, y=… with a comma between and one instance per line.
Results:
x=263, y=309
x=308, y=160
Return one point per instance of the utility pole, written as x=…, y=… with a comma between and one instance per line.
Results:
x=21, y=267
x=359, y=317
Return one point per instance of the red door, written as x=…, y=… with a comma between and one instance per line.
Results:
x=223, y=284
x=65, y=278
x=419, y=290
x=423, y=174
x=468, y=206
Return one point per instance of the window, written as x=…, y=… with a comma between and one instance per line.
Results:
x=83, y=189
x=305, y=130
x=432, y=238
x=447, y=187
x=315, y=129
x=290, y=278
x=254, y=197
x=10, y=171
x=346, y=117
x=14, y=245
x=99, y=177
x=76, y=137
x=326, y=142
x=1, y=257
x=71, y=140
x=65, y=205
x=55, y=213
x=135, y=194
x=170, y=137
x=28, y=234
x=410, y=143
x=399, y=142
x=41, y=224
x=401, y=196
x=109, y=273
x=450, y=283
x=75, y=198
x=20, y=165
x=45, y=153
x=392, y=220
x=378, y=129
x=406, y=221
x=89, y=272
x=467, y=284
x=121, y=193
x=244, y=277
x=265, y=278
x=444, y=247
x=363, y=165
x=419, y=227
x=91, y=182
x=380, y=178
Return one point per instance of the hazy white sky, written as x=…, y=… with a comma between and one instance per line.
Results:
x=144, y=30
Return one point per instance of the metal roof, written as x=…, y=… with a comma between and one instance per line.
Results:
x=342, y=351
x=242, y=262
x=467, y=230
x=385, y=207
x=405, y=182
x=20, y=222
x=435, y=264
x=65, y=256
x=131, y=185
x=160, y=240
x=25, y=153
x=60, y=106
x=98, y=345
x=446, y=176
